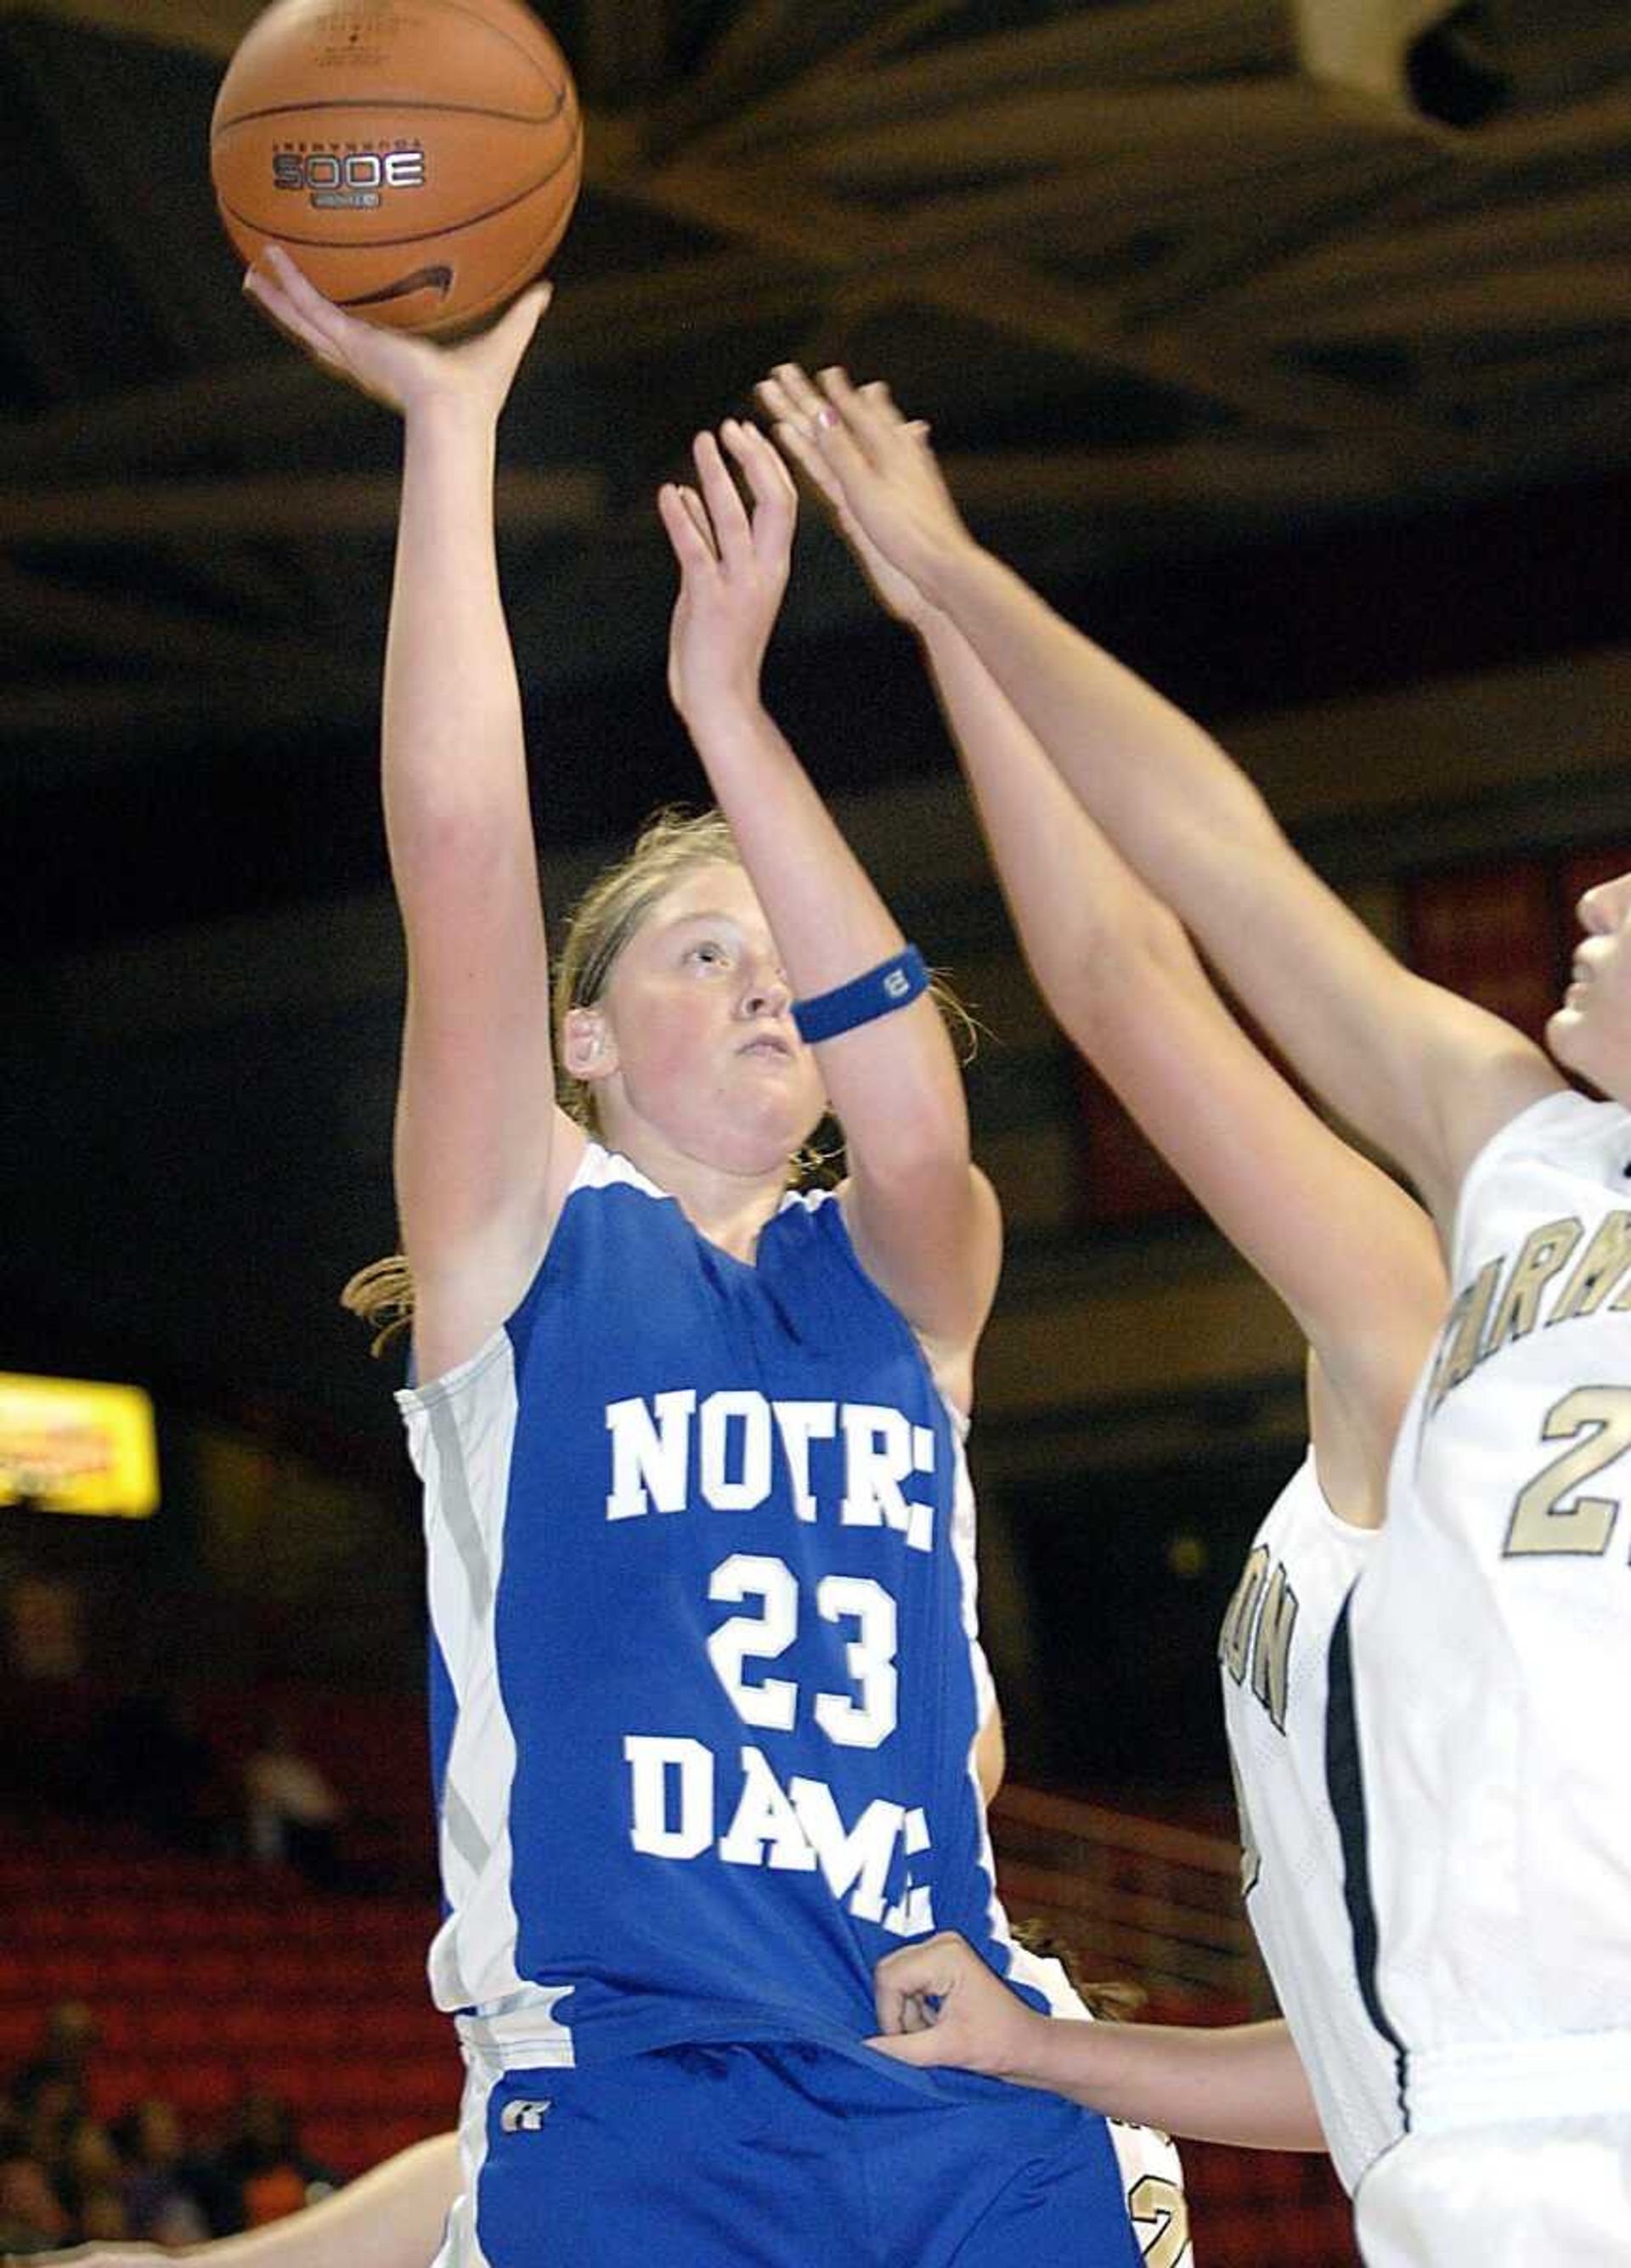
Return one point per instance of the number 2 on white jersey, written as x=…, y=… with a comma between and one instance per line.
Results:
x=1541, y=1524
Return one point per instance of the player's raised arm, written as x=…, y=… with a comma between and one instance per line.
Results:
x=482, y=1152
x=1350, y=1254
x=924, y=1220
x=938, y=2004
x=1424, y=1073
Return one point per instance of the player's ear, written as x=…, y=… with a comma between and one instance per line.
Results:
x=588, y=1048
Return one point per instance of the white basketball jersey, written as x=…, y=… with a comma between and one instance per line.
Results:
x=1491, y=1639
x=1273, y=1651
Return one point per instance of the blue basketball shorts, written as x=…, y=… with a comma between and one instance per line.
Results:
x=788, y=2157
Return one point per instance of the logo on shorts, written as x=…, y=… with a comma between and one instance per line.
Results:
x=523, y=2117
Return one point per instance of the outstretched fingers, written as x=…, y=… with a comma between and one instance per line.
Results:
x=295, y=304
x=868, y=414
x=869, y=411
x=508, y=339
x=795, y=441
x=790, y=394
x=796, y=444
x=732, y=532
x=698, y=511
x=769, y=485
x=842, y=441
x=685, y=523
x=284, y=311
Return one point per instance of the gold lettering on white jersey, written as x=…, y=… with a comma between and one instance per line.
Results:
x=1251, y=1857
x=1600, y=1267
x=1546, y=1250
x=1480, y=1324
x=1463, y=1334
x=1234, y=1638
x=1271, y=1647
x=1160, y=2215
x=1542, y=1525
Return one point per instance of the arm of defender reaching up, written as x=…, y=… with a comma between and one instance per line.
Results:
x=1352, y=1258
x=1349, y=1253
x=1424, y=1073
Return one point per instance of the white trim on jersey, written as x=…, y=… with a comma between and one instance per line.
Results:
x=1274, y=1653
x=461, y=2247
x=461, y=1432
x=1492, y=2082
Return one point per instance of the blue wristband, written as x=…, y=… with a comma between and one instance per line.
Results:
x=878, y=992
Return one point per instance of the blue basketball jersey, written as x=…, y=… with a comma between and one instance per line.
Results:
x=705, y=1678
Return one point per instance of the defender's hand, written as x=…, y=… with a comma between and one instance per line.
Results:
x=885, y=470
x=938, y=2003
x=793, y=405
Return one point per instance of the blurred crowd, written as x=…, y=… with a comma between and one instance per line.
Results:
x=68, y=2177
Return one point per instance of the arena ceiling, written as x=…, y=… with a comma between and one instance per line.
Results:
x=1169, y=275
x=1297, y=360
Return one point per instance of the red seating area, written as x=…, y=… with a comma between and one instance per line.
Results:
x=1250, y=2207
x=210, y=1977
x=371, y=1747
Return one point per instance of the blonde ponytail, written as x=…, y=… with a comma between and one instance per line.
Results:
x=381, y=1295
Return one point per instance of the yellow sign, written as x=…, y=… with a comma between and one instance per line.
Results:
x=68, y=1446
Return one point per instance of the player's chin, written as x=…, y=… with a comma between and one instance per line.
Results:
x=765, y=1129
x=1581, y=1044
x=780, y=1085
x=1562, y=1030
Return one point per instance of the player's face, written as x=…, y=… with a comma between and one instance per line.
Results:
x=1590, y=1033
x=697, y=1019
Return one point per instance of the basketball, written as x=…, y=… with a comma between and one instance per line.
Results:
x=419, y=158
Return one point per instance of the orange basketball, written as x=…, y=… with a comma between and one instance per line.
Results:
x=420, y=158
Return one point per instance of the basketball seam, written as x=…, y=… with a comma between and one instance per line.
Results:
x=423, y=236
x=512, y=282
x=496, y=31
x=391, y=104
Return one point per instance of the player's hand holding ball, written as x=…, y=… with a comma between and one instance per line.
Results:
x=421, y=158
x=394, y=172
x=408, y=374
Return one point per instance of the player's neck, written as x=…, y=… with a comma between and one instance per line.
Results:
x=728, y=1206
